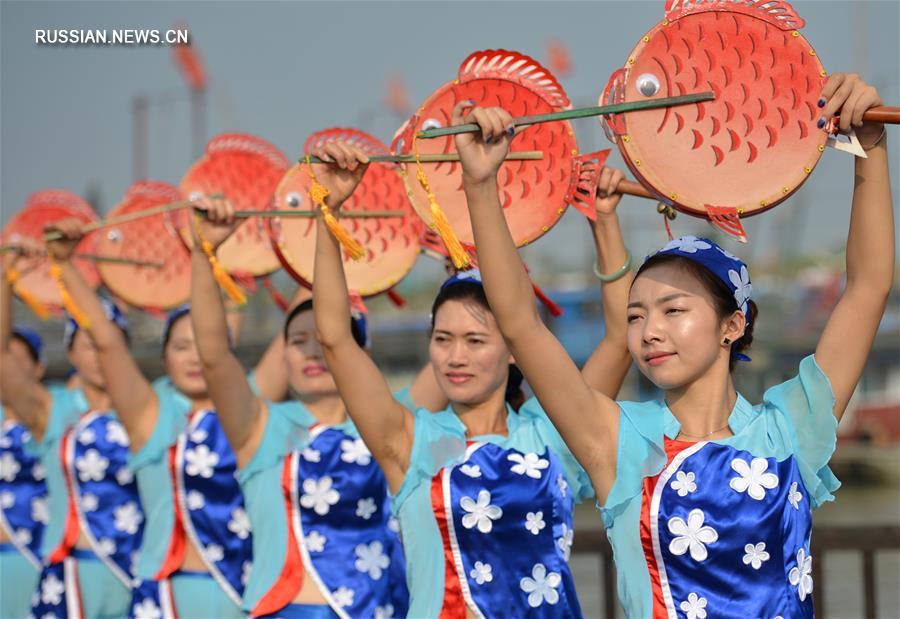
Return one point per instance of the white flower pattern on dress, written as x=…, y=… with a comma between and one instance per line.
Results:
x=124, y=476
x=754, y=480
x=384, y=612
x=794, y=496
x=9, y=467
x=128, y=518
x=147, y=609
x=481, y=572
x=106, y=547
x=239, y=523
x=92, y=466
x=195, y=500
x=39, y=510
x=246, y=566
x=343, y=597
x=355, y=451
x=534, y=522
x=87, y=437
x=38, y=472
x=691, y=535
x=530, y=464
x=199, y=435
x=365, y=508
x=371, y=559
x=23, y=536
x=315, y=541
x=480, y=513
x=115, y=433
x=200, y=461
x=800, y=575
x=562, y=484
x=472, y=470
x=684, y=483
x=564, y=543
x=541, y=587
x=89, y=502
x=318, y=495
x=755, y=555
x=311, y=455
x=215, y=553
x=694, y=606
x=393, y=524
x=52, y=589
x=7, y=499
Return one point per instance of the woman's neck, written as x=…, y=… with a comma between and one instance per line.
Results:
x=328, y=409
x=98, y=399
x=703, y=406
x=201, y=404
x=488, y=417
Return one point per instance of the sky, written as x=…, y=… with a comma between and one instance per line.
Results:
x=282, y=70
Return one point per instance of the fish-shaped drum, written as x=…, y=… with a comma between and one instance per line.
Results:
x=391, y=243
x=151, y=239
x=26, y=229
x=534, y=194
x=246, y=170
x=752, y=146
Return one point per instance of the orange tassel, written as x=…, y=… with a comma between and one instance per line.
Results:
x=224, y=280
x=440, y=223
x=68, y=302
x=33, y=303
x=317, y=193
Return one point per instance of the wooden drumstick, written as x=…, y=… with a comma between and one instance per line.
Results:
x=94, y=257
x=523, y=155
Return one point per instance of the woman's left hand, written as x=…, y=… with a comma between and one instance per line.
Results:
x=849, y=95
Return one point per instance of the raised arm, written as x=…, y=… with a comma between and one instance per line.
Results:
x=608, y=364
x=241, y=413
x=130, y=392
x=18, y=389
x=586, y=419
x=850, y=331
x=384, y=424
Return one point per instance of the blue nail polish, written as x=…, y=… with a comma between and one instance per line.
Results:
x=821, y=102
x=821, y=123
x=511, y=131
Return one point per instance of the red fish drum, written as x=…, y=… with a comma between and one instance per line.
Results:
x=26, y=229
x=246, y=170
x=534, y=194
x=751, y=147
x=391, y=243
x=152, y=239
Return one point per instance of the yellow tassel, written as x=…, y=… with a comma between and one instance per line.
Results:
x=76, y=312
x=222, y=277
x=440, y=223
x=33, y=303
x=317, y=193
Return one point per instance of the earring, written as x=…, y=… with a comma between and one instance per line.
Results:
x=726, y=341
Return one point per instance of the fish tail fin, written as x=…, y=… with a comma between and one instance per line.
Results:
x=583, y=187
x=728, y=220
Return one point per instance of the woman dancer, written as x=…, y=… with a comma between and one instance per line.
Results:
x=707, y=499
x=484, y=489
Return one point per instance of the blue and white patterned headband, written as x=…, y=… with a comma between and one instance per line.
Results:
x=113, y=313
x=34, y=341
x=469, y=276
x=727, y=267
x=171, y=318
x=362, y=325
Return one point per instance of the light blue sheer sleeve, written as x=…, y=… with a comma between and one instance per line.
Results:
x=287, y=428
x=576, y=476
x=66, y=406
x=172, y=418
x=405, y=398
x=439, y=439
x=803, y=411
x=640, y=453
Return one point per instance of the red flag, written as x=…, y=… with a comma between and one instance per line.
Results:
x=558, y=58
x=190, y=63
x=396, y=98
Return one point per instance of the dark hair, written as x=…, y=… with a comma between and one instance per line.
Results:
x=722, y=298
x=170, y=326
x=124, y=332
x=471, y=291
x=32, y=351
x=306, y=306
